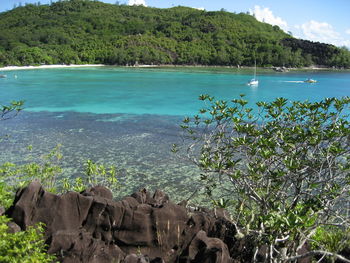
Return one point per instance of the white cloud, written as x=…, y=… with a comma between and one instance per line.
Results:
x=319, y=31
x=312, y=30
x=137, y=2
x=323, y=32
x=266, y=15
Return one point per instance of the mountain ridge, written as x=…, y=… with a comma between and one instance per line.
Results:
x=89, y=32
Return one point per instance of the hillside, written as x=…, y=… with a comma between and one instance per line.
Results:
x=82, y=31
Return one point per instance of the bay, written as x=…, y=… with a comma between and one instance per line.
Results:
x=158, y=91
x=129, y=117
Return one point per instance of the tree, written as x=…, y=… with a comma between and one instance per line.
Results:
x=86, y=31
x=283, y=169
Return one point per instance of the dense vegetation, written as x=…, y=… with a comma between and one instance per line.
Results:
x=283, y=168
x=84, y=31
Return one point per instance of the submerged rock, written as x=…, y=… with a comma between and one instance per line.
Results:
x=91, y=227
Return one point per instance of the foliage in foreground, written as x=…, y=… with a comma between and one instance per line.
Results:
x=28, y=246
x=25, y=246
x=22, y=247
x=284, y=169
x=48, y=171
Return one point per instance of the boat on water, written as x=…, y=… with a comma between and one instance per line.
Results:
x=254, y=81
x=310, y=81
x=3, y=76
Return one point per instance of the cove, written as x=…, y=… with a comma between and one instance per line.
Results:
x=129, y=117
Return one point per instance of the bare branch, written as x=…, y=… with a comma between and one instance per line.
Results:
x=320, y=253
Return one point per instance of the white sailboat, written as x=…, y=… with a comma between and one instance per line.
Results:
x=254, y=81
x=310, y=81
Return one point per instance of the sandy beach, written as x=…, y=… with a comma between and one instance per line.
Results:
x=9, y=68
x=313, y=68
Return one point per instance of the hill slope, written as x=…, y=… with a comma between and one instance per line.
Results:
x=83, y=31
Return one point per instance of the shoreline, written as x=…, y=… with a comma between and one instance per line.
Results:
x=12, y=68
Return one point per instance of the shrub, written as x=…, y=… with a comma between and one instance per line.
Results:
x=22, y=247
x=28, y=246
x=284, y=167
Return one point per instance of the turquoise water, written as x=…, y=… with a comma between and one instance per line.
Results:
x=157, y=91
x=129, y=117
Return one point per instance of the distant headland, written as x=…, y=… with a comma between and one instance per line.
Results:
x=92, y=32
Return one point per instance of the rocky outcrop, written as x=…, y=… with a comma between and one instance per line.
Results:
x=91, y=227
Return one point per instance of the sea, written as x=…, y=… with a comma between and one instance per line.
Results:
x=130, y=117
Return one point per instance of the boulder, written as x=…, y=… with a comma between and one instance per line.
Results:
x=79, y=246
x=13, y=227
x=91, y=227
x=98, y=191
x=206, y=250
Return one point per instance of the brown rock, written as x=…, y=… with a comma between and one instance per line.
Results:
x=208, y=250
x=13, y=227
x=133, y=258
x=57, y=212
x=100, y=191
x=80, y=246
x=91, y=227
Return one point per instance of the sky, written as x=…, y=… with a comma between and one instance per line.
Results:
x=326, y=21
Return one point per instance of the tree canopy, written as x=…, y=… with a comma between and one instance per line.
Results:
x=283, y=169
x=84, y=31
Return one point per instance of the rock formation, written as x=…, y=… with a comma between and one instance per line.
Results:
x=91, y=227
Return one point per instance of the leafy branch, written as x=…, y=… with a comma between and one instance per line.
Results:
x=283, y=165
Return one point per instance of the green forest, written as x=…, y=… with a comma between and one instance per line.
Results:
x=85, y=31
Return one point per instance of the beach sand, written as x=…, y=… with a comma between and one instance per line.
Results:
x=48, y=67
x=314, y=68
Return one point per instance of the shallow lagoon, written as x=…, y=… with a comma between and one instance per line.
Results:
x=130, y=117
